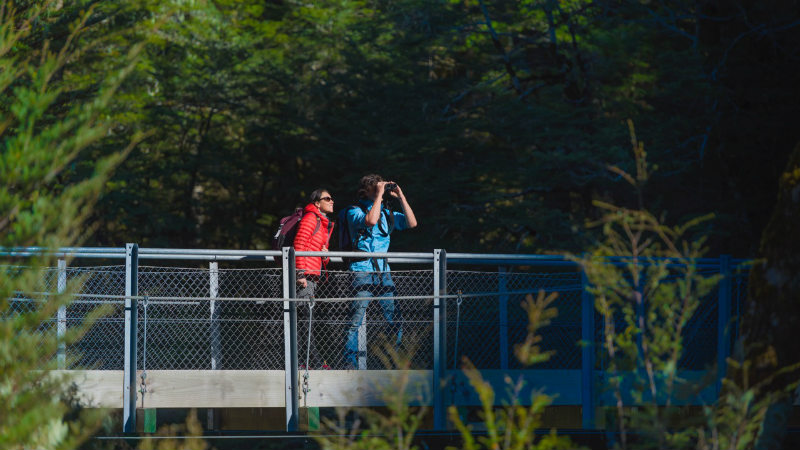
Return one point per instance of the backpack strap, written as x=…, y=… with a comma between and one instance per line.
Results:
x=362, y=232
x=389, y=220
x=316, y=228
x=328, y=238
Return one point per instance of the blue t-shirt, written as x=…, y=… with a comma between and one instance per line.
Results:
x=376, y=239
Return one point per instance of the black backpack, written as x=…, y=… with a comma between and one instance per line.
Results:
x=349, y=243
x=287, y=229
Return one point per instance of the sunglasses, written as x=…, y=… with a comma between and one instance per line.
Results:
x=327, y=199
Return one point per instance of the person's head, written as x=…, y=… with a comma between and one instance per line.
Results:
x=368, y=186
x=321, y=198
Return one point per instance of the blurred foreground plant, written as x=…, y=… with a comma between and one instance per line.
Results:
x=376, y=430
x=647, y=286
x=42, y=132
x=186, y=436
x=511, y=426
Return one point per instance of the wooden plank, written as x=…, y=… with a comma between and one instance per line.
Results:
x=363, y=387
x=329, y=388
x=97, y=388
x=214, y=389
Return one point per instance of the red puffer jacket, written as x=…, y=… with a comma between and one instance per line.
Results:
x=307, y=240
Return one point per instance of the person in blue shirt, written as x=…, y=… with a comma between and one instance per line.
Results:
x=371, y=225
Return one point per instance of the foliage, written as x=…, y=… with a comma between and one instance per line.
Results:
x=737, y=420
x=43, y=130
x=186, y=436
x=646, y=301
x=373, y=429
x=774, y=288
x=510, y=427
x=513, y=426
x=493, y=115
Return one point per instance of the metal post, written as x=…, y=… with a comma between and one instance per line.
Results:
x=502, y=288
x=61, y=324
x=131, y=312
x=213, y=292
x=439, y=337
x=724, y=318
x=290, y=338
x=362, y=343
x=587, y=355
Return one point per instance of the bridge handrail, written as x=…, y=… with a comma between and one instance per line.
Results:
x=336, y=256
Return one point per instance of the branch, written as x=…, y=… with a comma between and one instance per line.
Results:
x=499, y=46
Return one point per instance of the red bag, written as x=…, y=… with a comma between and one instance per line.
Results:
x=287, y=230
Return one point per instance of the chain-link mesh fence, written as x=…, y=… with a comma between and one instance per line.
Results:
x=485, y=329
x=24, y=304
x=700, y=334
x=193, y=330
x=100, y=346
x=337, y=339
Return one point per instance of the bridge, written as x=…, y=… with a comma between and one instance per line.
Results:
x=193, y=328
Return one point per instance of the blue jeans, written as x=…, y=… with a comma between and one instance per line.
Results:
x=383, y=288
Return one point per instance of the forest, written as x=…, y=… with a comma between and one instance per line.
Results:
x=513, y=126
x=499, y=119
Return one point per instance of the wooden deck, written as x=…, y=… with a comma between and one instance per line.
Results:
x=329, y=388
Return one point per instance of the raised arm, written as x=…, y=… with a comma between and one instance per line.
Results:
x=410, y=217
x=374, y=214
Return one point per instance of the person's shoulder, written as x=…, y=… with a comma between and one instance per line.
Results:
x=353, y=211
x=310, y=211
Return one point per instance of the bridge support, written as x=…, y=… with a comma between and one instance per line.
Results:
x=61, y=322
x=290, y=338
x=502, y=288
x=131, y=312
x=213, y=292
x=439, y=338
x=587, y=355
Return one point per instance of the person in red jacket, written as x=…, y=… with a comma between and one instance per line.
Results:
x=313, y=234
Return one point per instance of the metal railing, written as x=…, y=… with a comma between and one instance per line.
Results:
x=233, y=318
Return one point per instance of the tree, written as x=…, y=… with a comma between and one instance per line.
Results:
x=496, y=116
x=774, y=289
x=646, y=303
x=44, y=130
x=511, y=426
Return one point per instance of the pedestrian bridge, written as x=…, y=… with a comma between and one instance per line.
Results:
x=221, y=329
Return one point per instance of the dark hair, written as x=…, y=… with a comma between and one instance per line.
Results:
x=367, y=183
x=317, y=195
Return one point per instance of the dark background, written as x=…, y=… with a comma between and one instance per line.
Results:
x=498, y=119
